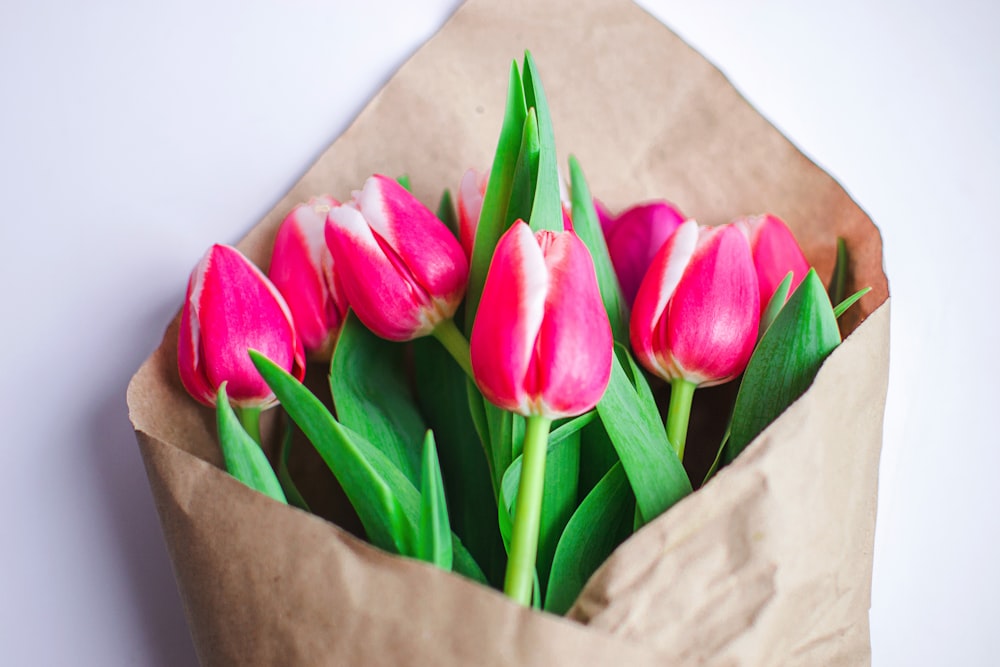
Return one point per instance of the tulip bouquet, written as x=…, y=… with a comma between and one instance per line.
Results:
x=495, y=367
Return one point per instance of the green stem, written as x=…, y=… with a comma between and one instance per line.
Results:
x=452, y=339
x=250, y=419
x=678, y=414
x=520, y=577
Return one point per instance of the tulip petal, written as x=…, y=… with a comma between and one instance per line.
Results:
x=775, y=253
x=302, y=270
x=471, y=191
x=430, y=253
x=715, y=310
x=189, y=364
x=655, y=291
x=233, y=307
x=393, y=309
x=636, y=237
x=507, y=326
x=574, y=345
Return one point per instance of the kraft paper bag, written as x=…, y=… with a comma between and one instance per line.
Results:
x=768, y=564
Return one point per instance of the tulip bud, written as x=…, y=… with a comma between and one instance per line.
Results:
x=470, y=203
x=402, y=271
x=634, y=237
x=232, y=307
x=302, y=270
x=775, y=253
x=541, y=343
x=696, y=313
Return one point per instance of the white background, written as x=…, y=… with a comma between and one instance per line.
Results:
x=135, y=134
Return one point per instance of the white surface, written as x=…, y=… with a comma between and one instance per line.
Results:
x=133, y=135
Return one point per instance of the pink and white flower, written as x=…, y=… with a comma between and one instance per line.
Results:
x=231, y=307
x=541, y=342
x=402, y=270
x=696, y=313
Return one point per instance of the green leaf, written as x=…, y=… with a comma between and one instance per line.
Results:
x=493, y=214
x=434, y=543
x=630, y=416
x=244, y=458
x=776, y=303
x=597, y=455
x=285, y=476
x=506, y=432
x=546, y=210
x=588, y=227
x=446, y=212
x=371, y=395
x=404, y=180
x=601, y=522
x=443, y=400
x=785, y=362
x=559, y=495
x=838, y=281
x=522, y=193
x=386, y=501
x=842, y=307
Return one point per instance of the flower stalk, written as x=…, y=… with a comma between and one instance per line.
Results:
x=520, y=577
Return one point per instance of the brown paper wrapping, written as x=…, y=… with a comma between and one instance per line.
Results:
x=769, y=564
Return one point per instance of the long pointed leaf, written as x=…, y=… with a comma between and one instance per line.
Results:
x=522, y=193
x=546, y=210
x=444, y=402
x=588, y=228
x=434, y=543
x=630, y=417
x=372, y=397
x=386, y=501
x=493, y=214
x=842, y=307
x=244, y=458
x=601, y=522
x=785, y=362
x=776, y=303
x=838, y=281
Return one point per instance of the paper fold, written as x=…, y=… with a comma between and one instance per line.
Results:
x=770, y=564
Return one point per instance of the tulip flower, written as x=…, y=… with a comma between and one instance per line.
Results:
x=634, y=237
x=541, y=343
x=232, y=307
x=775, y=253
x=402, y=270
x=541, y=346
x=695, y=317
x=302, y=270
x=471, y=191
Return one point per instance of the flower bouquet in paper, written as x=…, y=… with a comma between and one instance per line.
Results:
x=530, y=406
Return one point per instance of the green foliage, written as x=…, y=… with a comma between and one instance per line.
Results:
x=386, y=500
x=784, y=364
x=243, y=456
x=434, y=538
x=632, y=421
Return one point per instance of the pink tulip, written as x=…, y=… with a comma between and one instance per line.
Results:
x=541, y=343
x=775, y=253
x=696, y=313
x=634, y=237
x=470, y=203
x=604, y=216
x=403, y=272
x=302, y=270
x=231, y=307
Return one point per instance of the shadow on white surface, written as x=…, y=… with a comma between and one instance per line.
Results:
x=134, y=527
